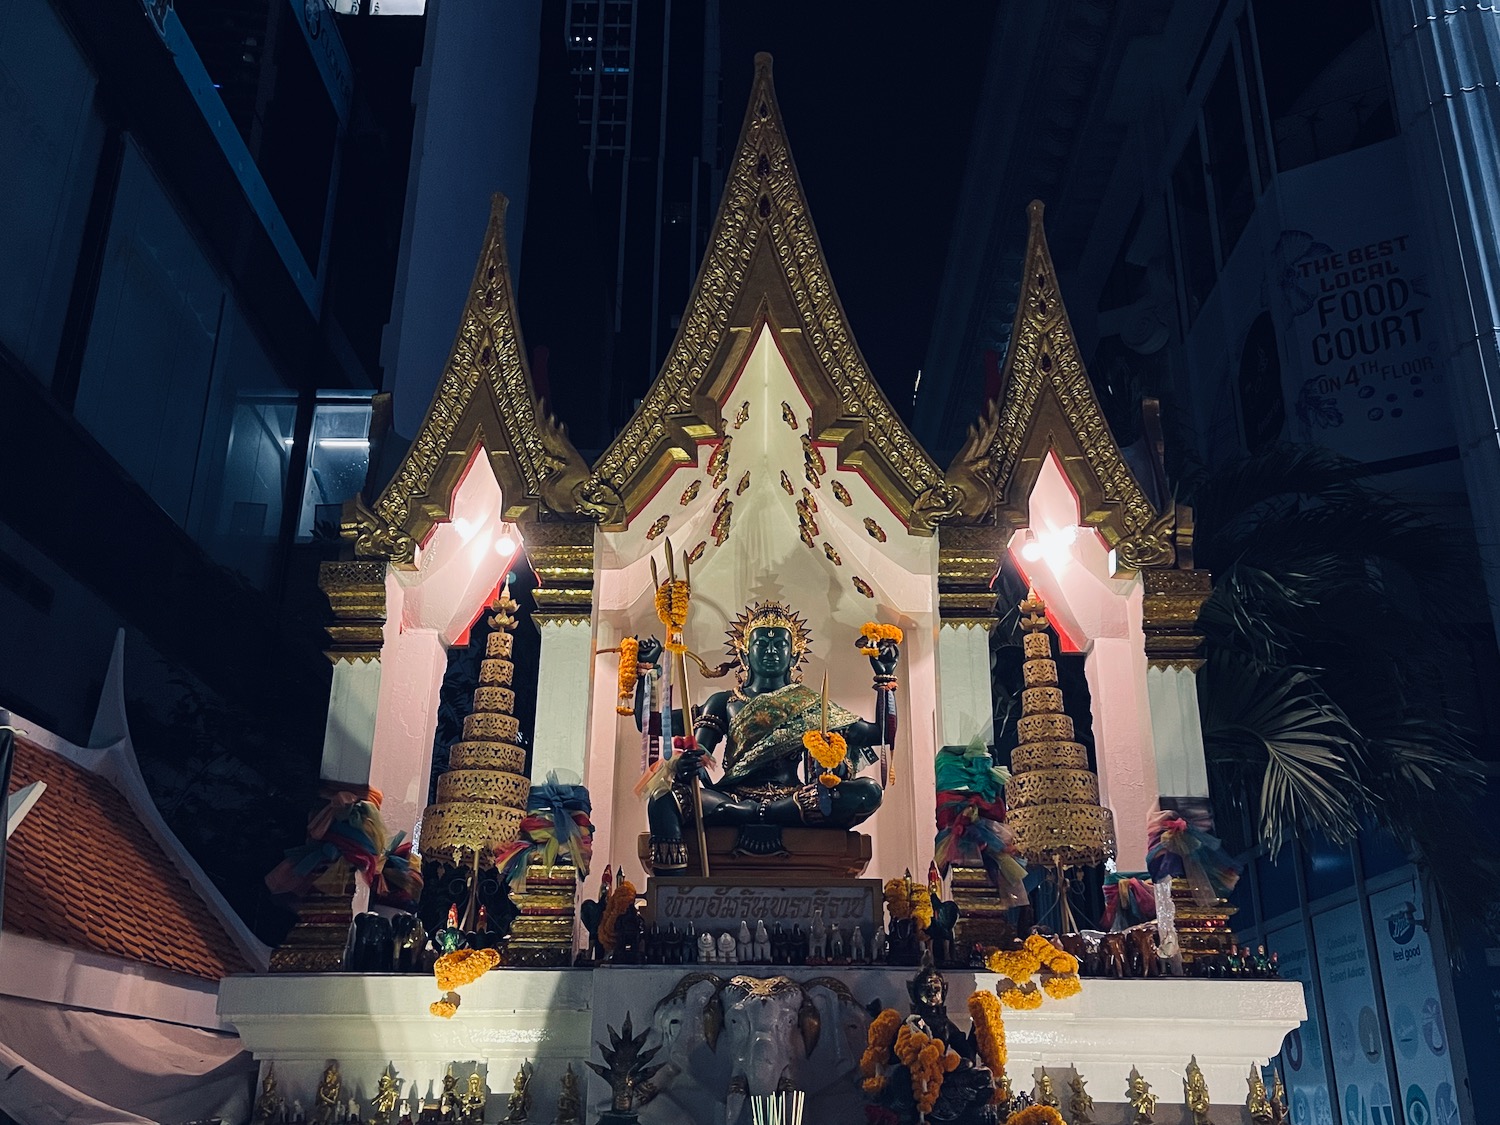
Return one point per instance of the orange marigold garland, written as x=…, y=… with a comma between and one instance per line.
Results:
x=1024, y=997
x=672, y=611
x=1036, y=1115
x=873, y=634
x=828, y=750
x=445, y=1007
x=989, y=1035
x=630, y=670
x=620, y=898
x=1060, y=987
x=881, y=1037
x=463, y=966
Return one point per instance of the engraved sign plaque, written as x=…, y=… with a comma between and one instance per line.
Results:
x=713, y=904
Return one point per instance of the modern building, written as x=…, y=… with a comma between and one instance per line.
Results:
x=1276, y=218
x=203, y=207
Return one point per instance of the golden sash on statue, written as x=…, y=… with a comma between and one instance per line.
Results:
x=770, y=726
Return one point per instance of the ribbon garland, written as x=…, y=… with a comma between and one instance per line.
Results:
x=349, y=829
x=1183, y=845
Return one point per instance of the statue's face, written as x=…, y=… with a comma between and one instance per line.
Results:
x=932, y=991
x=770, y=652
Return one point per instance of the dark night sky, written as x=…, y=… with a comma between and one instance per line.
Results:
x=879, y=102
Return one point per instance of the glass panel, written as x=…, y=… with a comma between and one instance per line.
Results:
x=146, y=371
x=1257, y=109
x=1329, y=867
x=1353, y=1016
x=1303, y=1065
x=49, y=148
x=1228, y=155
x=1194, y=236
x=336, y=466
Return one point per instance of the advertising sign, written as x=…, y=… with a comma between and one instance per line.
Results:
x=1418, y=1032
x=1303, y=1067
x=1361, y=1093
x=1365, y=371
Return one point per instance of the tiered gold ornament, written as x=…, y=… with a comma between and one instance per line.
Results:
x=482, y=795
x=1052, y=799
x=542, y=934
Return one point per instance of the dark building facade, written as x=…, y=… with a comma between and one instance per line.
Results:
x=199, y=247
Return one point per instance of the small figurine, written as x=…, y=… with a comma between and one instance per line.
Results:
x=690, y=945
x=329, y=1096
x=1278, y=1099
x=857, y=951
x=1080, y=1102
x=744, y=944
x=1140, y=1098
x=671, y=945
x=878, y=948
x=728, y=954
x=405, y=1114
x=707, y=951
x=450, y=937
x=627, y=949
x=796, y=949
x=448, y=1101
x=1275, y=965
x=1045, y=1093
x=762, y=943
x=352, y=1114
x=297, y=1112
x=1257, y=1105
x=518, y=1105
x=625, y=1069
x=817, y=942
x=270, y=1104
x=1195, y=1092
x=472, y=1101
x=570, y=1101
x=387, y=1094
x=1234, y=965
x=835, y=943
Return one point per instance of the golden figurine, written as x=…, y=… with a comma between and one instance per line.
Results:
x=448, y=1101
x=1045, y=1094
x=329, y=1105
x=270, y=1104
x=473, y=1100
x=570, y=1101
x=1256, y=1102
x=1278, y=1099
x=1080, y=1103
x=387, y=1094
x=518, y=1105
x=1140, y=1098
x=1195, y=1092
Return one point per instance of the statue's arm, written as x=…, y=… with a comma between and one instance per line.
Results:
x=862, y=735
x=710, y=725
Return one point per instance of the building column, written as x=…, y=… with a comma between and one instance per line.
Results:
x=1445, y=59
x=562, y=554
x=968, y=558
x=1169, y=615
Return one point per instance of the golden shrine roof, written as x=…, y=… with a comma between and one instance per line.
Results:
x=82, y=870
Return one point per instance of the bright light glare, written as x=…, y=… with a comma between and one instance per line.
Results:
x=506, y=544
x=464, y=528
x=1052, y=545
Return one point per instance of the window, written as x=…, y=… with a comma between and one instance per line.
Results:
x=1195, y=246
x=336, y=465
x=1228, y=155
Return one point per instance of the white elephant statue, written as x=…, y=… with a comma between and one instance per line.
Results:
x=766, y=1021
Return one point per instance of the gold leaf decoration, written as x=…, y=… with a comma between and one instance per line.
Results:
x=697, y=552
x=739, y=489
x=787, y=415
x=809, y=499
x=807, y=538
x=721, y=501
x=833, y=556
x=841, y=494
x=690, y=493
x=813, y=456
x=877, y=532
x=742, y=415
x=786, y=484
x=658, y=527
x=721, y=524
x=862, y=586
x=812, y=476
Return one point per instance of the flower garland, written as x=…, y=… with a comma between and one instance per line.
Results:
x=928, y=1060
x=455, y=969
x=1061, y=987
x=619, y=900
x=630, y=671
x=989, y=1034
x=873, y=634
x=1058, y=967
x=1036, y=1115
x=828, y=750
x=902, y=903
x=672, y=611
x=1022, y=997
x=444, y=1008
x=881, y=1037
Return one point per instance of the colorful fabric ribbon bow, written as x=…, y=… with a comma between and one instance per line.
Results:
x=1179, y=846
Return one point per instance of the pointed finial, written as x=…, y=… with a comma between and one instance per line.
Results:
x=763, y=62
x=824, y=726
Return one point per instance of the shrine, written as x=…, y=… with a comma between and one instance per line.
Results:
x=757, y=851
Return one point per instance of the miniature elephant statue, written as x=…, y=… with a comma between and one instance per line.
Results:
x=410, y=938
x=1144, y=960
x=1112, y=950
x=369, y=947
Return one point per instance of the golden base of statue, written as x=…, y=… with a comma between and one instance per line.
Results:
x=774, y=851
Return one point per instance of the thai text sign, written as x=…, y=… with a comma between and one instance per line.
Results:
x=714, y=904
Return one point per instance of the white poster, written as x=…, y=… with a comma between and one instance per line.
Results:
x=1303, y=1068
x=1364, y=375
x=1361, y=1093
x=1409, y=980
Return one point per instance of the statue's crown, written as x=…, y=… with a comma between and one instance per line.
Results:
x=770, y=614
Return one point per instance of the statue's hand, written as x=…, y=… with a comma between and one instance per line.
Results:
x=650, y=650
x=686, y=764
x=884, y=664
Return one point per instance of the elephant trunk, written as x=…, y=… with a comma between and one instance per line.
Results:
x=765, y=1063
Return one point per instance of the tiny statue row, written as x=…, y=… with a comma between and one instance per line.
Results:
x=618, y=935
x=454, y=1106
x=920, y=1069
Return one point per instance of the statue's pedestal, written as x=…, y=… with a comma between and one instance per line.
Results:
x=756, y=850
x=554, y=1016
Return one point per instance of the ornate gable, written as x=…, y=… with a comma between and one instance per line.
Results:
x=764, y=266
x=485, y=398
x=1047, y=405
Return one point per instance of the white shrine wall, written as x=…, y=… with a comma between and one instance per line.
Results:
x=764, y=558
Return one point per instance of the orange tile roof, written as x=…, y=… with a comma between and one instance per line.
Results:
x=82, y=870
